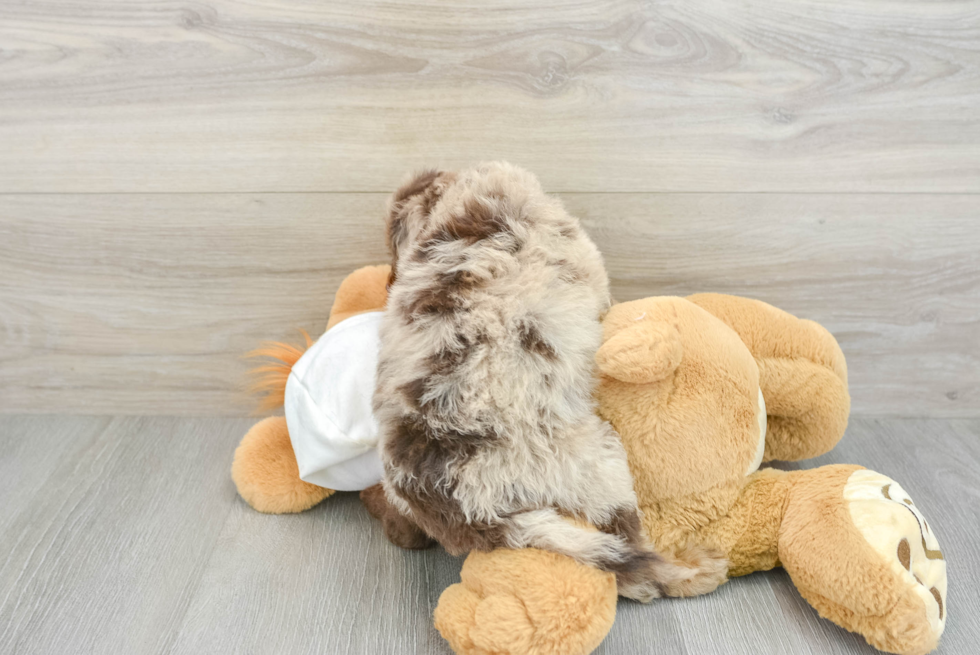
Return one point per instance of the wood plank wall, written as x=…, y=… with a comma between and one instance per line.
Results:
x=181, y=181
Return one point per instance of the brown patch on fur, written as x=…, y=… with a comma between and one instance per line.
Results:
x=431, y=301
x=431, y=196
x=625, y=522
x=459, y=282
x=400, y=530
x=424, y=250
x=533, y=342
x=476, y=223
x=394, y=235
x=448, y=360
x=637, y=567
x=425, y=185
x=440, y=515
x=445, y=296
x=443, y=363
x=413, y=392
x=416, y=185
x=429, y=455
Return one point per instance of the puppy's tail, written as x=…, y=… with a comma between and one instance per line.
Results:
x=269, y=380
x=641, y=573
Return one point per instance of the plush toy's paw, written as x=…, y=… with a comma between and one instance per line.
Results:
x=802, y=374
x=266, y=473
x=898, y=532
x=526, y=602
x=864, y=556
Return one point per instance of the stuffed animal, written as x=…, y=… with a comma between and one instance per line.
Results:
x=332, y=432
x=702, y=390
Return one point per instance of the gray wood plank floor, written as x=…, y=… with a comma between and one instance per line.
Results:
x=125, y=535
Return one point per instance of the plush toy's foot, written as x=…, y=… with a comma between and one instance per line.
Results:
x=266, y=473
x=864, y=556
x=526, y=602
x=802, y=374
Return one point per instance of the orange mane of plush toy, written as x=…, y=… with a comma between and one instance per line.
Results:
x=270, y=379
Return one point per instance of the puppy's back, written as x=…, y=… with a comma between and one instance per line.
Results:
x=494, y=310
x=485, y=379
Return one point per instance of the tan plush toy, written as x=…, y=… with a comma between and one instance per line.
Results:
x=265, y=469
x=701, y=390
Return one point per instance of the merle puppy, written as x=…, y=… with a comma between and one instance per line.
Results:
x=489, y=436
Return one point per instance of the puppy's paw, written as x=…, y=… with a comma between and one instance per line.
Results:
x=399, y=529
x=695, y=571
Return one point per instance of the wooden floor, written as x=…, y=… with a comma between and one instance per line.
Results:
x=179, y=181
x=125, y=535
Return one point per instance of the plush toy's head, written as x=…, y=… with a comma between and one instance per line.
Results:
x=682, y=390
x=362, y=291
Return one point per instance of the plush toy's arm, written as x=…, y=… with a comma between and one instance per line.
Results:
x=364, y=290
x=802, y=374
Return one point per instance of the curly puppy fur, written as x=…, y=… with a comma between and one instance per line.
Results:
x=489, y=436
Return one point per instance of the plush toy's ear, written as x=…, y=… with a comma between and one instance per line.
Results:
x=642, y=353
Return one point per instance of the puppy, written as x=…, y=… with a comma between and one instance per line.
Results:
x=489, y=437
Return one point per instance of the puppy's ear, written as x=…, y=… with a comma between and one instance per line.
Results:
x=416, y=184
x=642, y=353
x=409, y=206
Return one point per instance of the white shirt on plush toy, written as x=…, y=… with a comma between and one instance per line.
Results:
x=328, y=407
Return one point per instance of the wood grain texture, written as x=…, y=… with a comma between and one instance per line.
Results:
x=33, y=447
x=144, y=304
x=129, y=537
x=149, y=308
x=326, y=581
x=107, y=553
x=617, y=95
